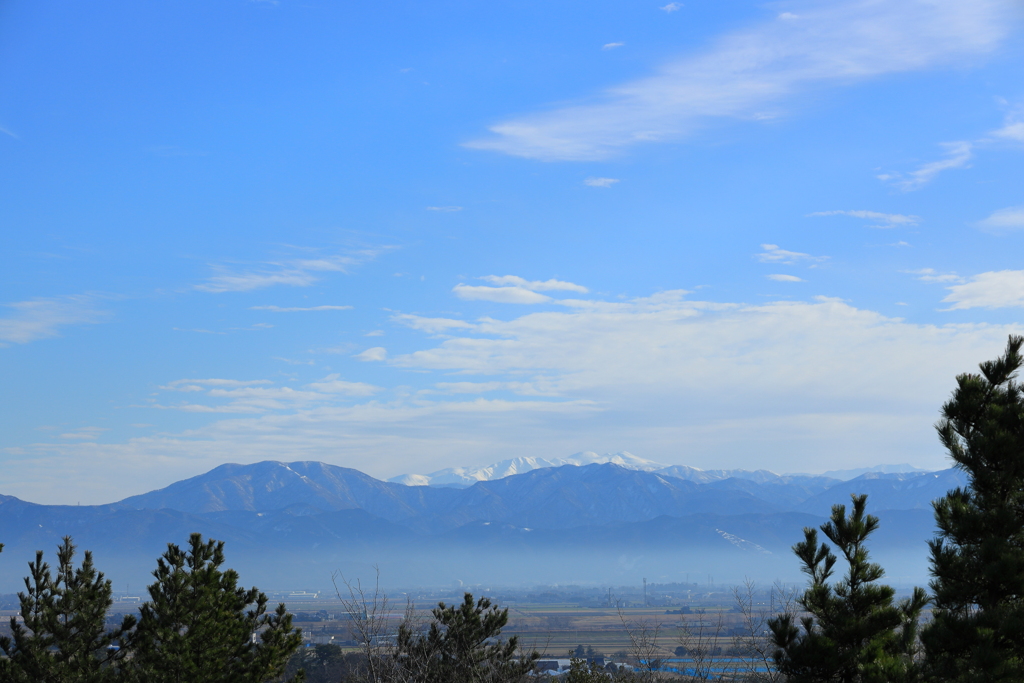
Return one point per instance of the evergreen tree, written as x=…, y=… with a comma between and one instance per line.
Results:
x=64, y=636
x=463, y=645
x=854, y=633
x=200, y=626
x=977, y=558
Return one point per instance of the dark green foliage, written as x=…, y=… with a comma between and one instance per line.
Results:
x=463, y=645
x=64, y=636
x=854, y=632
x=582, y=671
x=977, y=558
x=199, y=625
x=328, y=664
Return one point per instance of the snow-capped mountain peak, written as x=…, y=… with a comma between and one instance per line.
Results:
x=467, y=476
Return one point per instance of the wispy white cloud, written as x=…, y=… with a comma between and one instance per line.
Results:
x=520, y=388
x=431, y=325
x=227, y=281
x=501, y=295
x=332, y=385
x=747, y=72
x=671, y=7
x=377, y=353
x=294, y=309
x=84, y=433
x=535, y=285
x=996, y=289
x=7, y=131
x=293, y=273
x=1002, y=221
x=444, y=209
x=203, y=384
x=881, y=220
x=696, y=382
x=600, y=182
x=931, y=275
x=260, y=396
x=611, y=46
x=958, y=155
x=773, y=254
x=1013, y=127
x=779, y=277
x=43, y=318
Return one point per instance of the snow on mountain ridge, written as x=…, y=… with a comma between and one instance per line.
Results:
x=467, y=476
x=461, y=477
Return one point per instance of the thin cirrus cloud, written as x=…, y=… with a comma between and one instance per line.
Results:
x=958, y=155
x=1013, y=128
x=501, y=295
x=996, y=289
x=772, y=253
x=261, y=396
x=746, y=72
x=512, y=289
x=445, y=209
x=333, y=385
x=297, y=309
x=611, y=46
x=84, y=433
x=535, y=285
x=930, y=275
x=431, y=325
x=1002, y=221
x=600, y=182
x=43, y=318
x=671, y=7
x=879, y=220
x=292, y=273
x=377, y=353
x=781, y=277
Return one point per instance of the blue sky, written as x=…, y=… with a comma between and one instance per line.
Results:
x=405, y=236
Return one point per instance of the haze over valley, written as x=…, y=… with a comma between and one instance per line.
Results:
x=292, y=525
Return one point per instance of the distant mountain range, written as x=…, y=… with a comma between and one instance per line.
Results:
x=292, y=524
x=467, y=476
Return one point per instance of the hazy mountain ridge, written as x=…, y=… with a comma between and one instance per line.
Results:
x=281, y=520
x=459, y=477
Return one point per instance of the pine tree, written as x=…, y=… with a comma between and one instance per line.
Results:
x=854, y=633
x=64, y=636
x=977, y=558
x=200, y=626
x=463, y=645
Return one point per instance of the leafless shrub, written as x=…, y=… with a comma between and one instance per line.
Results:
x=754, y=642
x=369, y=612
x=699, y=637
x=643, y=637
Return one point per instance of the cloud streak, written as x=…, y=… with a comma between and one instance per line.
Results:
x=501, y=295
x=774, y=254
x=292, y=273
x=1010, y=219
x=749, y=73
x=880, y=220
x=996, y=289
x=42, y=318
x=958, y=155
